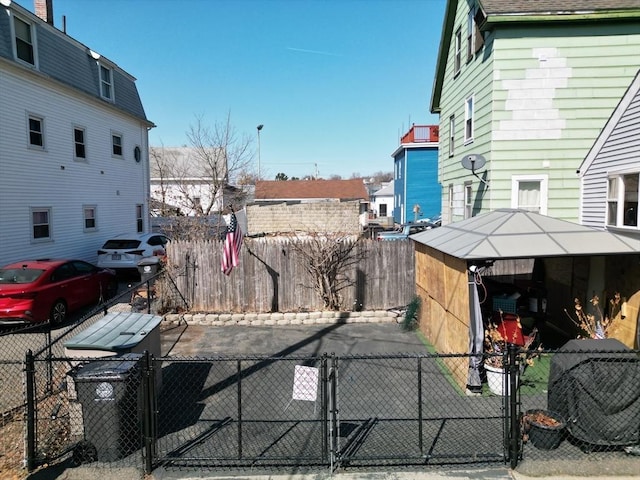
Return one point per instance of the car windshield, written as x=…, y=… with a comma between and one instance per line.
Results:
x=121, y=244
x=19, y=275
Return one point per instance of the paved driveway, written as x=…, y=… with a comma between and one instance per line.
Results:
x=341, y=339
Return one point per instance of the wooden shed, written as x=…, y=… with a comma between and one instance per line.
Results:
x=507, y=245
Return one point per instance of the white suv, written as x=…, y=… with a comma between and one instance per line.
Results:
x=125, y=251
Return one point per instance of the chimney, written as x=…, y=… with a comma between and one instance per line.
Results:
x=44, y=9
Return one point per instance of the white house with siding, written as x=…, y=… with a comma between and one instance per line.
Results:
x=74, y=166
x=382, y=201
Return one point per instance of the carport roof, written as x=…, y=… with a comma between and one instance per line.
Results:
x=509, y=233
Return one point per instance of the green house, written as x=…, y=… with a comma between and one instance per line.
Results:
x=523, y=90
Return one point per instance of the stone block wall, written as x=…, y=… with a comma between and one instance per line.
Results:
x=322, y=216
x=293, y=318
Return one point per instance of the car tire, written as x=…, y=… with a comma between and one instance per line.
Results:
x=58, y=313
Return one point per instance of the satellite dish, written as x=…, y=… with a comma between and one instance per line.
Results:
x=473, y=162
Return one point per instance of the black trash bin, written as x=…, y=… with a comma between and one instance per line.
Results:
x=110, y=393
x=148, y=267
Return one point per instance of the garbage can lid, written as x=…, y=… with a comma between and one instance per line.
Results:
x=115, y=332
x=117, y=368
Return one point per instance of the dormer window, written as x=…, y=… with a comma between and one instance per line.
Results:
x=106, y=83
x=24, y=44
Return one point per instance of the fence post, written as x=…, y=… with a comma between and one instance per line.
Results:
x=30, y=372
x=239, y=386
x=514, y=423
x=149, y=411
x=333, y=398
x=149, y=296
x=324, y=414
x=420, y=442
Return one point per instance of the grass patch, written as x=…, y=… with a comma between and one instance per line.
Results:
x=446, y=372
x=535, y=379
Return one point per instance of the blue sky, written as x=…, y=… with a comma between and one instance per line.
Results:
x=335, y=83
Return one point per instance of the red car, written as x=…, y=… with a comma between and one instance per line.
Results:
x=35, y=291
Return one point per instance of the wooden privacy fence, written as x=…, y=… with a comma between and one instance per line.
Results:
x=271, y=277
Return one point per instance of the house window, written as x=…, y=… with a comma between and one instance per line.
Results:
x=471, y=30
x=457, y=59
x=623, y=190
x=449, y=212
x=529, y=192
x=36, y=132
x=79, y=143
x=452, y=131
x=116, y=145
x=41, y=224
x=24, y=43
x=468, y=200
x=89, y=213
x=383, y=209
x=468, y=120
x=139, y=219
x=106, y=83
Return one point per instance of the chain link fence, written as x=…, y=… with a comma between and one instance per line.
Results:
x=156, y=294
x=578, y=403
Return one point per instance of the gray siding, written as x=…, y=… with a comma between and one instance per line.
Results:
x=620, y=151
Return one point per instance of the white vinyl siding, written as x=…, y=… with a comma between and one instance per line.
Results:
x=56, y=181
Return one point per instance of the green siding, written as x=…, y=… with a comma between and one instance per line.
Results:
x=542, y=97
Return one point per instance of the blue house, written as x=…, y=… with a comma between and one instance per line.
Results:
x=417, y=193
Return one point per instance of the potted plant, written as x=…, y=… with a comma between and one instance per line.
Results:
x=497, y=337
x=544, y=428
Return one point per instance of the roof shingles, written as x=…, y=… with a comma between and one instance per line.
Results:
x=496, y=7
x=353, y=189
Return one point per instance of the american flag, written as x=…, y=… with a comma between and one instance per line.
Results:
x=232, y=244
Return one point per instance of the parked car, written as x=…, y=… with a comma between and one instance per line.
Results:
x=34, y=291
x=403, y=232
x=125, y=251
x=433, y=221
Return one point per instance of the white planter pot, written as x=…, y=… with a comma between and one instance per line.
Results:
x=498, y=380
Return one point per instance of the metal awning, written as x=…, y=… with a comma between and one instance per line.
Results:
x=509, y=234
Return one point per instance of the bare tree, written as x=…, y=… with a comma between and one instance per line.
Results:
x=197, y=180
x=329, y=260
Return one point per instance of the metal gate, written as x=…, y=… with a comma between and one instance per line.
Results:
x=328, y=412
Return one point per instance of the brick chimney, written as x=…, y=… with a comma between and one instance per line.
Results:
x=44, y=9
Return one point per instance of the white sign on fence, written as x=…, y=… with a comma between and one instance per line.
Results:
x=305, y=383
